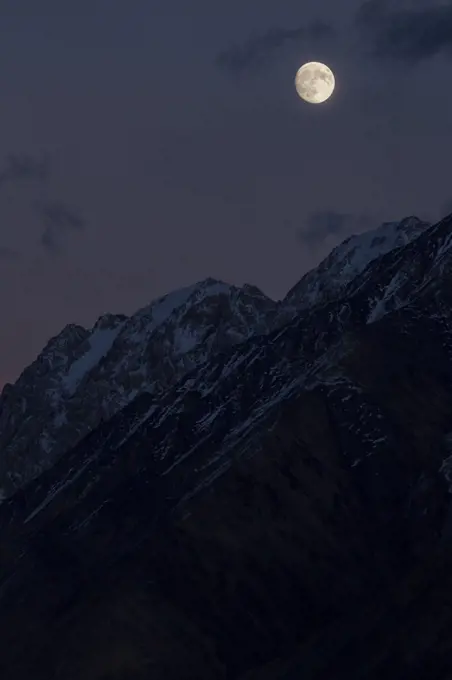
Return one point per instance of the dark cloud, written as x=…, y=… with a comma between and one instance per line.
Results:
x=18, y=169
x=256, y=51
x=324, y=223
x=56, y=218
x=409, y=35
x=23, y=168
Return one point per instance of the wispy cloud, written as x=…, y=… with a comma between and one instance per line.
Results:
x=410, y=35
x=22, y=168
x=57, y=218
x=257, y=51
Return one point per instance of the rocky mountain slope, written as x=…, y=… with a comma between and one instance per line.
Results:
x=328, y=281
x=280, y=510
x=85, y=376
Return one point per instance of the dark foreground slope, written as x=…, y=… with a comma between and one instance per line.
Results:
x=283, y=512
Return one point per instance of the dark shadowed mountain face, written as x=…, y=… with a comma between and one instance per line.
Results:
x=276, y=504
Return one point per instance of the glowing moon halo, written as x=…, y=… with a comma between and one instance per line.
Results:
x=315, y=82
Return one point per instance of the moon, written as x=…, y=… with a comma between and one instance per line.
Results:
x=315, y=82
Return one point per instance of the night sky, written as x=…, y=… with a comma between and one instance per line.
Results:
x=148, y=144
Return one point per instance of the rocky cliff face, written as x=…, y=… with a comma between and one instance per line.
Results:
x=273, y=503
x=85, y=376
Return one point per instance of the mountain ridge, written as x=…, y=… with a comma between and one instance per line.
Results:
x=108, y=365
x=280, y=508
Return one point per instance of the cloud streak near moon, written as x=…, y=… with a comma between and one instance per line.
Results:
x=410, y=35
x=245, y=58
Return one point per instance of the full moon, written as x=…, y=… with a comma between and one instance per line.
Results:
x=314, y=82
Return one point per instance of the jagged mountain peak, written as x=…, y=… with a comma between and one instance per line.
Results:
x=83, y=376
x=161, y=308
x=70, y=332
x=56, y=353
x=251, y=289
x=109, y=321
x=324, y=443
x=350, y=258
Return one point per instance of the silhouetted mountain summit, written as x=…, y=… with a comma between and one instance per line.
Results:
x=231, y=487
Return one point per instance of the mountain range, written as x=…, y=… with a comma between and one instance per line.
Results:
x=225, y=486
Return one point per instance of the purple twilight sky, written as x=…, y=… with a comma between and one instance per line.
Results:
x=148, y=144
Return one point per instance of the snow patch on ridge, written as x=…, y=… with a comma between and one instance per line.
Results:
x=100, y=343
x=389, y=297
x=161, y=309
x=349, y=259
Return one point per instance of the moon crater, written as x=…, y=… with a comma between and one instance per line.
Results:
x=314, y=82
